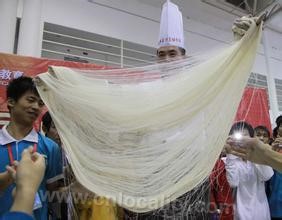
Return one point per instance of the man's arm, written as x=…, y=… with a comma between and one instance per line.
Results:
x=273, y=159
x=254, y=150
x=24, y=200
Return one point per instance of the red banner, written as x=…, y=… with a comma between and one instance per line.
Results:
x=253, y=107
x=13, y=66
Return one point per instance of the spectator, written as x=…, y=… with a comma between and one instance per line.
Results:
x=25, y=105
x=248, y=179
x=275, y=183
x=263, y=134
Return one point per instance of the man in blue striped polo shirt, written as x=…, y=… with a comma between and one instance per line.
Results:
x=25, y=105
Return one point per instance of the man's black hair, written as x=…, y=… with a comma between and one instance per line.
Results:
x=182, y=50
x=241, y=125
x=18, y=87
x=47, y=121
x=261, y=127
x=275, y=132
x=278, y=120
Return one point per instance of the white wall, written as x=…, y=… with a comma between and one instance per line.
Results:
x=140, y=22
x=137, y=22
x=102, y=20
x=275, y=50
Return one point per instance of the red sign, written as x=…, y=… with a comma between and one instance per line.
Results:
x=13, y=66
x=254, y=108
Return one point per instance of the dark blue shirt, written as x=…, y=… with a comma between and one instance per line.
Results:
x=16, y=216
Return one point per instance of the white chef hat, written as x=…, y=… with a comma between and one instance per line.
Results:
x=171, y=28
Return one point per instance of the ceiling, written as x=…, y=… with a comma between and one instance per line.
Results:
x=215, y=10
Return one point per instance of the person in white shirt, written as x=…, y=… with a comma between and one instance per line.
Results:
x=248, y=179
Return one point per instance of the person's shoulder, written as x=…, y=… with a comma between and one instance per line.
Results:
x=277, y=173
x=2, y=137
x=45, y=139
x=46, y=142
